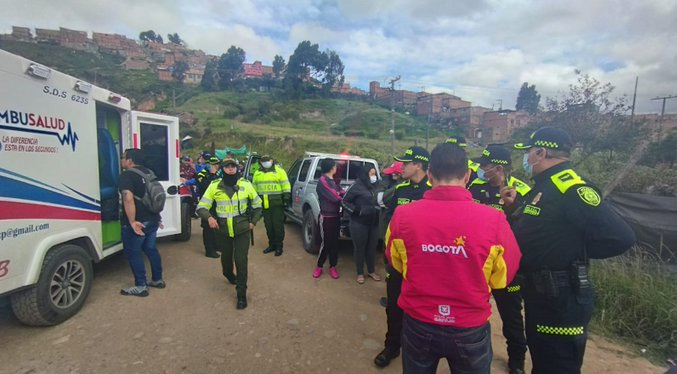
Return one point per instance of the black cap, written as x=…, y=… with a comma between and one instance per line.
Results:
x=214, y=160
x=458, y=140
x=494, y=154
x=206, y=155
x=415, y=153
x=228, y=161
x=548, y=137
x=185, y=158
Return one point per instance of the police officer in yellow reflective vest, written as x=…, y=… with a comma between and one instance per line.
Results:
x=473, y=166
x=238, y=208
x=272, y=184
x=493, y=174
x=562, y=223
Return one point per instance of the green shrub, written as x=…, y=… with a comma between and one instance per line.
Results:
x=636, y=301
x=231, y=112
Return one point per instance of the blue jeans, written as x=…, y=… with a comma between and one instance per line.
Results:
x=467, y=350
x=133, y=245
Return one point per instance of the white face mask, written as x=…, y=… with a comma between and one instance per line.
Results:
x=267, y=164
x=373, y=179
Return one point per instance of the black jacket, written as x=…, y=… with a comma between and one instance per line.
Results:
x=563, y=219
x=360, y=199
x=329, y=195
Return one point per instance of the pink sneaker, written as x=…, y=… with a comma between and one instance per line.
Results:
x=333, y=272
x=317, y=272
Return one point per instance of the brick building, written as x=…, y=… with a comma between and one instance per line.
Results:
x=256, y=70
x=498, y=126
x=436, y=104
x=401, y=99
x=22, y=34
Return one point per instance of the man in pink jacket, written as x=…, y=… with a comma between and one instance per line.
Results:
x=451, y=253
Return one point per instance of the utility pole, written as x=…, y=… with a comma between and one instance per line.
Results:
x=664, y=98
x=430, y=115
x=634, y=99
x=392, y=115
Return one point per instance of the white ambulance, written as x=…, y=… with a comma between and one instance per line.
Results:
x=60, y=145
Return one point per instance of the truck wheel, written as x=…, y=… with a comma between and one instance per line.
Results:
x=311, y=233
x=186, y=224
x=64, y=283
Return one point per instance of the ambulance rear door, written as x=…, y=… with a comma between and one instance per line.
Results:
x=158, y=137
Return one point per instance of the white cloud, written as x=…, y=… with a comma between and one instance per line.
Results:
x=480, y=50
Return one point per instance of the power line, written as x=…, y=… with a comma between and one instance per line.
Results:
x=664, y=98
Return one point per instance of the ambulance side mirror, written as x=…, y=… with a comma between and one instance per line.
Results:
x=172, y=190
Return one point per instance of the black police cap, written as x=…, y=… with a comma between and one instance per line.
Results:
x=548, y=137
x=415, y=153
x=494, y=154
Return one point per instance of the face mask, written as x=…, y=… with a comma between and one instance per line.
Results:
x=267, y=164
x=481, y=175
x=373, y=179
x=529, y=169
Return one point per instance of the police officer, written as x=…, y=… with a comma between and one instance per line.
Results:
x=203, y=179
x=272, y=184
x=416, y=183
x=238, y=208
x=493, y=174
x=562, y=223
x=473, y=166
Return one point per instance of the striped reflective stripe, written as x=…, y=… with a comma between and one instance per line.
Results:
x=227, y=215
x=256, y=203
x=516, y=288
x=557, y=330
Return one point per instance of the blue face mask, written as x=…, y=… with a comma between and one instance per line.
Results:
x=529, y=169
x=481, y=175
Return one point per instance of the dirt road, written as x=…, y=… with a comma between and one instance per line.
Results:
x=294, y=323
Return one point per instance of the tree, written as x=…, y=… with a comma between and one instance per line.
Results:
x=150, y=36
x=595, y=120
x=230, y=67
x=210, y=79
x=279, y=66
x=174, y=38
x=309, y=69
x=528, y=98
x=179, y=70
x=333, y=73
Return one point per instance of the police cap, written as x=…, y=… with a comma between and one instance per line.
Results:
x=548, y=137
x=494, y=154
x=458, y=140
x=228, y=162
x=214, y=160
x=415, y=153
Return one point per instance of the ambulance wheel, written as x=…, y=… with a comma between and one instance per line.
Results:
x=311, y=233
x=186, y=224
x=65, y=280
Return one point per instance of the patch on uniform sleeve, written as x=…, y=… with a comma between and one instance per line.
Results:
x=589, y=195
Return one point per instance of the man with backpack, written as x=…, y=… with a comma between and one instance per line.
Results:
x=143, y=199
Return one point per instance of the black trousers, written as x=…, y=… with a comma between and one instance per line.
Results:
x=329, y=231
x=556, y=328
x=208, y=238
x=273, y=218
x=235, y=250
x=509, y=305
x=365, y=239
x=394, y=314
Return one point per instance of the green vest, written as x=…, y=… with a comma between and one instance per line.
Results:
x=229, y=208
x=269, y=183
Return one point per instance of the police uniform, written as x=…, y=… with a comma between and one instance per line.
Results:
x=203, y=179
x=508, y=300
x=562, y=223
x=273, y=186
x=237, y=206
x=404, y=193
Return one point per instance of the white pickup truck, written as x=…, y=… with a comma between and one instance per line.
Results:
x=305, y=206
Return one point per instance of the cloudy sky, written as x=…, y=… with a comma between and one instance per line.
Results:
x=481, y=50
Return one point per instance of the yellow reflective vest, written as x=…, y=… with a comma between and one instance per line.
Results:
x=235, y=208
x=272, y=185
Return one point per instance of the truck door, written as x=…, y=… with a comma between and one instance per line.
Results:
x=299, y=186
x=158, y=137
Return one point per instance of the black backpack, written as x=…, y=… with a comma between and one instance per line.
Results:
x=155, y=196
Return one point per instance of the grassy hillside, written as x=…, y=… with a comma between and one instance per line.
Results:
x=286, y=129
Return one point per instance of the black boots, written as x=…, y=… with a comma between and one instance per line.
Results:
x=212, y=255
x=278, y=251
x=268, y=250
x=383, y=359
x=241, y=302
